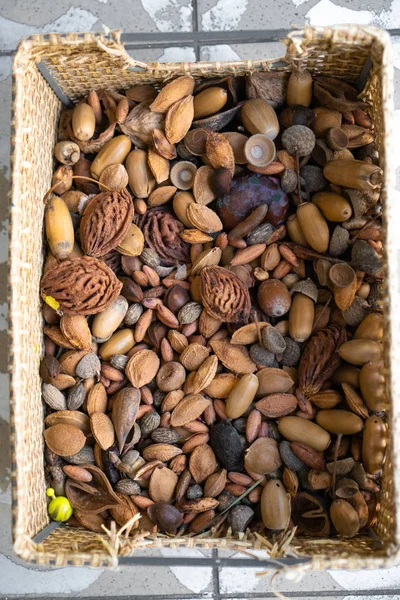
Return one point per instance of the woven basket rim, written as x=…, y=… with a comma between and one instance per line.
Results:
x=351, y=34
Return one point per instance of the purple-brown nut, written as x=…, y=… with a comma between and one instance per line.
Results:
x=176, y=297
x=165, y=516
x=246, y=194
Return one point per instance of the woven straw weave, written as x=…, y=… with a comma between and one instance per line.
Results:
x=80, y=63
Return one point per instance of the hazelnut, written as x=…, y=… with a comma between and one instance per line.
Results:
x=274, y=298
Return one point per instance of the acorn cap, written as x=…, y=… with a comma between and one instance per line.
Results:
x=321, y=153
x=357, y=312
x=195, y=141
x=342, y=275
x=259, y=150
x=182, y=175
x=339, y=241
x=337, y=138
x=306, y=287
x=237, y=141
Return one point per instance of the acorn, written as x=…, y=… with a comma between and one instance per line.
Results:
x=209, y=101
x=339, y=241
x=313, y=177
x=374, y=445
x=333, y=206
x=141, y=179
x=182, y=175
x=372, y=386
x=336, y=138
x=275, y=505
x=344, y=518
x=339, y=421
x=321, y=153
x=83, y=122
x=295, y=232
x=220, y=181
x=259, y=150
x=180, y=204
x=359, y=352
x=346, y=487
x=59, y=227
x=354, y=174
x=259, y=117
x=298, y=139
x=301, y=317
x=370, y=328
x=344, y=282
x=114, y=151
x=313, y=226
x=114, y=177
x=299, y=88
x=274, y=298
x=237, y=141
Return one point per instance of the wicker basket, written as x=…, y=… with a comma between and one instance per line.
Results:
x=79, y=63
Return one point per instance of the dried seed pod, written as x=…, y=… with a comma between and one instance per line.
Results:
x=298, y=139
x=353, y=174
x=299, y=89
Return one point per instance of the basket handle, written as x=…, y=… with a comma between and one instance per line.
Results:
x=115, y=48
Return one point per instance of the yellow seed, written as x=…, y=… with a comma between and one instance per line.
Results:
x=370, y=328
x=119, y=343
x=52, y=302
x=333, y=206
x=209, y=101
x=339, y=421
x=361, y=351
x=296, y=429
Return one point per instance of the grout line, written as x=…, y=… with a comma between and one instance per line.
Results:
x=195, y=26
x=215, y=574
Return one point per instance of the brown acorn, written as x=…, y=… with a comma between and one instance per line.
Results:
x=313, y=226
x=333, y=206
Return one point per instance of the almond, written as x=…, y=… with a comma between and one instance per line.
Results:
x=208, y=258
x=199, y=505
x=263, y=456
x=142, y=367
x=202, y=463
x=309, y=456
x=179, y=119
x=248, y=334
x=198, y=439
x=163, y=452
x=76, y=331
x=64, y=440
x=205, y=374
x=97, y=399
x=221, y=386
x=56, y=336
x=171, y=400
x=326, y=398
x=277, y=405
x=161, y=195
x=354, y=401
x=234, y=357
x=188, y=409
x=215, y=484
x=195, y=236
x=273, y=381
x=159, y=166
x=219, y=151
x=162, y=485
x=69, y=417
x=246, y=255
x=203, y=218
x=102, y=429
x=172, y=92
x=202, y=189
x=193, y=356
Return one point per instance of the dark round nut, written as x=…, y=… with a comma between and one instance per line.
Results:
x=298, y=139
x=262, y=356
x=291, y=356
x=176, y=297
x=274, y=298
x=289, y=458
x=194, y=492
x=289, y=180
x=240, y=517
x=221, y=181
x=313, y=177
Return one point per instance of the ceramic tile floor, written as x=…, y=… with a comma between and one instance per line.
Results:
x=142, y=16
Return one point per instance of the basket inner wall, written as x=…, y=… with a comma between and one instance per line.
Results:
x=78, y=69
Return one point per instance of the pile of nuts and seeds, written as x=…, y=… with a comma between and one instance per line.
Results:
x=213, y=327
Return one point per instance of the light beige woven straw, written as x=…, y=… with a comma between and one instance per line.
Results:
x=80, y=63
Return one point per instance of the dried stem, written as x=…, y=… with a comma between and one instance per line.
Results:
x=256, y=321
x=53, y=187
x=300, y=198
x=335, y=457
